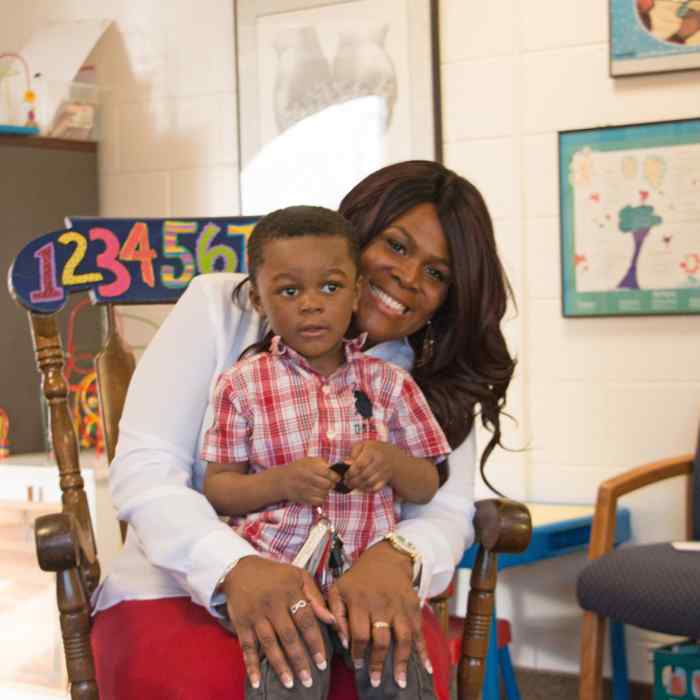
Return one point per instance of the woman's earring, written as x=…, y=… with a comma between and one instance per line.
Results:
x=428, y=348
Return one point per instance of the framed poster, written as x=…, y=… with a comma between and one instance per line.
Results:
x=329, y=91
x=653, y=36
x=629, y=200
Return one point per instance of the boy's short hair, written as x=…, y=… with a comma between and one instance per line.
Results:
x=297, y=221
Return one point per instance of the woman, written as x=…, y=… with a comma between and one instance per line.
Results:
x=434, y=291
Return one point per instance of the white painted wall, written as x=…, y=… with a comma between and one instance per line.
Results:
x=592, y=397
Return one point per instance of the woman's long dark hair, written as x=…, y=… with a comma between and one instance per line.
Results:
x=470, y=365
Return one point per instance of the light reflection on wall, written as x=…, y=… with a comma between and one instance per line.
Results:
x=318, y=159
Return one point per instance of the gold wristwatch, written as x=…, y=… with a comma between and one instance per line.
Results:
x=401, y=544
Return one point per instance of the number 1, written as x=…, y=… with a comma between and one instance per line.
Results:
x=48, y=289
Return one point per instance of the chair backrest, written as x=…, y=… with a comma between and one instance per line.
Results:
x=122, y=261
x=118, y=261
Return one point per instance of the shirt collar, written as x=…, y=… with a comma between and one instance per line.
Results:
x=398, y=352
x=353, y=350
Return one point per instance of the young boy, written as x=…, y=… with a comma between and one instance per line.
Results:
x=305, y=399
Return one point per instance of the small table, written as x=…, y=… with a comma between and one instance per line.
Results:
x=29, y=484
x=557, y=529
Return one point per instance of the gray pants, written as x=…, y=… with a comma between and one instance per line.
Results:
x=419, y=683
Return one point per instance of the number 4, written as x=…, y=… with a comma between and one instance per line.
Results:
x=138, y=248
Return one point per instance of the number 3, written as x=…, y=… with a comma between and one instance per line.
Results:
x=108, y=261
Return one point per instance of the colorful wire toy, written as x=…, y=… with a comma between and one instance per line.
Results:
x=80, y=376
x=4, y=434
x=29, y=94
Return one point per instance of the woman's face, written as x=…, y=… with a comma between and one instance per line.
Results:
x=406, y=271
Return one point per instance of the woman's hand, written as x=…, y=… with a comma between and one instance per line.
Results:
x=262, y=598
x=377, y=589
x=308, y=480
x=371, y=465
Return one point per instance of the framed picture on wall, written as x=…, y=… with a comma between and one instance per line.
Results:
x=653, y=36
x=329, y=91
x=629, y=200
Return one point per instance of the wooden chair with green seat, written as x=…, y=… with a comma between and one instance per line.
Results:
x=123, y=261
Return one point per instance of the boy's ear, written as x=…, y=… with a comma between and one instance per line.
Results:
x=254, y=296
x=356, y=293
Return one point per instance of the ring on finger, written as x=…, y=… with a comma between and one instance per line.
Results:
x=380, y=624
x=300, y=604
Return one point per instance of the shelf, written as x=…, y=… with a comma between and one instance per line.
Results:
x=47, y=143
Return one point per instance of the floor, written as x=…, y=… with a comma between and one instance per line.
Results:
x=31, y=657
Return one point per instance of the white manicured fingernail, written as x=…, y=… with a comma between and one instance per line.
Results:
x=401, y=680
x=306, y=679
x=375, y=679
x=287, y=681
x=428, y=667
x=255, y=681
x=358, y=664
x=344, y=642
x=320, y=661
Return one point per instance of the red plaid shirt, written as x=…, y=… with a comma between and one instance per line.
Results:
x=273, y=408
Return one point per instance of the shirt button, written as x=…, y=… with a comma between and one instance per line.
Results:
x=331, y=434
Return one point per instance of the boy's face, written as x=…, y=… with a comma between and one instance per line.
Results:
x=307, y=287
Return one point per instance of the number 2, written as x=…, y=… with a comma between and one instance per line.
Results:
x=69, y=277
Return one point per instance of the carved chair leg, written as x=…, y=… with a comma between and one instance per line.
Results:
x=477, y=624
x=75, y=630
x=592, y=644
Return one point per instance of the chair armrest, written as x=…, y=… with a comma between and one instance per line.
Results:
x=59, y=550
x=603, y=529
x=501, y=525
x=57, y=545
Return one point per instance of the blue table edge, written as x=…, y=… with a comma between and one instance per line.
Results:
x=555, y=540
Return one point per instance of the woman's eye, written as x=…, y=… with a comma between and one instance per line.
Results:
x=396, y=246
x=437, y=275
x=330, y=287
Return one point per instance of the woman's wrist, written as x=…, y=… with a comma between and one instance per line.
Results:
x=383, y=551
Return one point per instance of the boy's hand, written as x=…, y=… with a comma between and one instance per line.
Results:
x=371, y=465
x=308, y=480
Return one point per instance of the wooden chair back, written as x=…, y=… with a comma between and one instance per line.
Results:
x=146, y=261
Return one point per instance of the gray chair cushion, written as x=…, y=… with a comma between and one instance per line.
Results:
x=652, y=586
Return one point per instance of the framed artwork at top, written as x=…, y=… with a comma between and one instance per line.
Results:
x=654, y=36
x=630, y=219
x=329, y=91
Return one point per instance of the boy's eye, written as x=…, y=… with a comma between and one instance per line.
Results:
x=330, y=287
x=288, y=291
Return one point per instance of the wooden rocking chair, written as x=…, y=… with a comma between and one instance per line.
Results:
x=140, y=261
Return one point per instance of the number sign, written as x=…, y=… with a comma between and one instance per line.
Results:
x=126, y=261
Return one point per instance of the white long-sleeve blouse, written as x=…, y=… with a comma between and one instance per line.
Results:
x=176, y=545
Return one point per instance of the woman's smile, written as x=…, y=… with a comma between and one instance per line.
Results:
x=395, y=307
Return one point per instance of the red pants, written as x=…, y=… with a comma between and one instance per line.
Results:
x=172, y=649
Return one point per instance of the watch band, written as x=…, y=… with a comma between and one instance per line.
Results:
x=401, y=544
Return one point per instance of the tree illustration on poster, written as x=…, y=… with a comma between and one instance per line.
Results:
x=638, y=221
